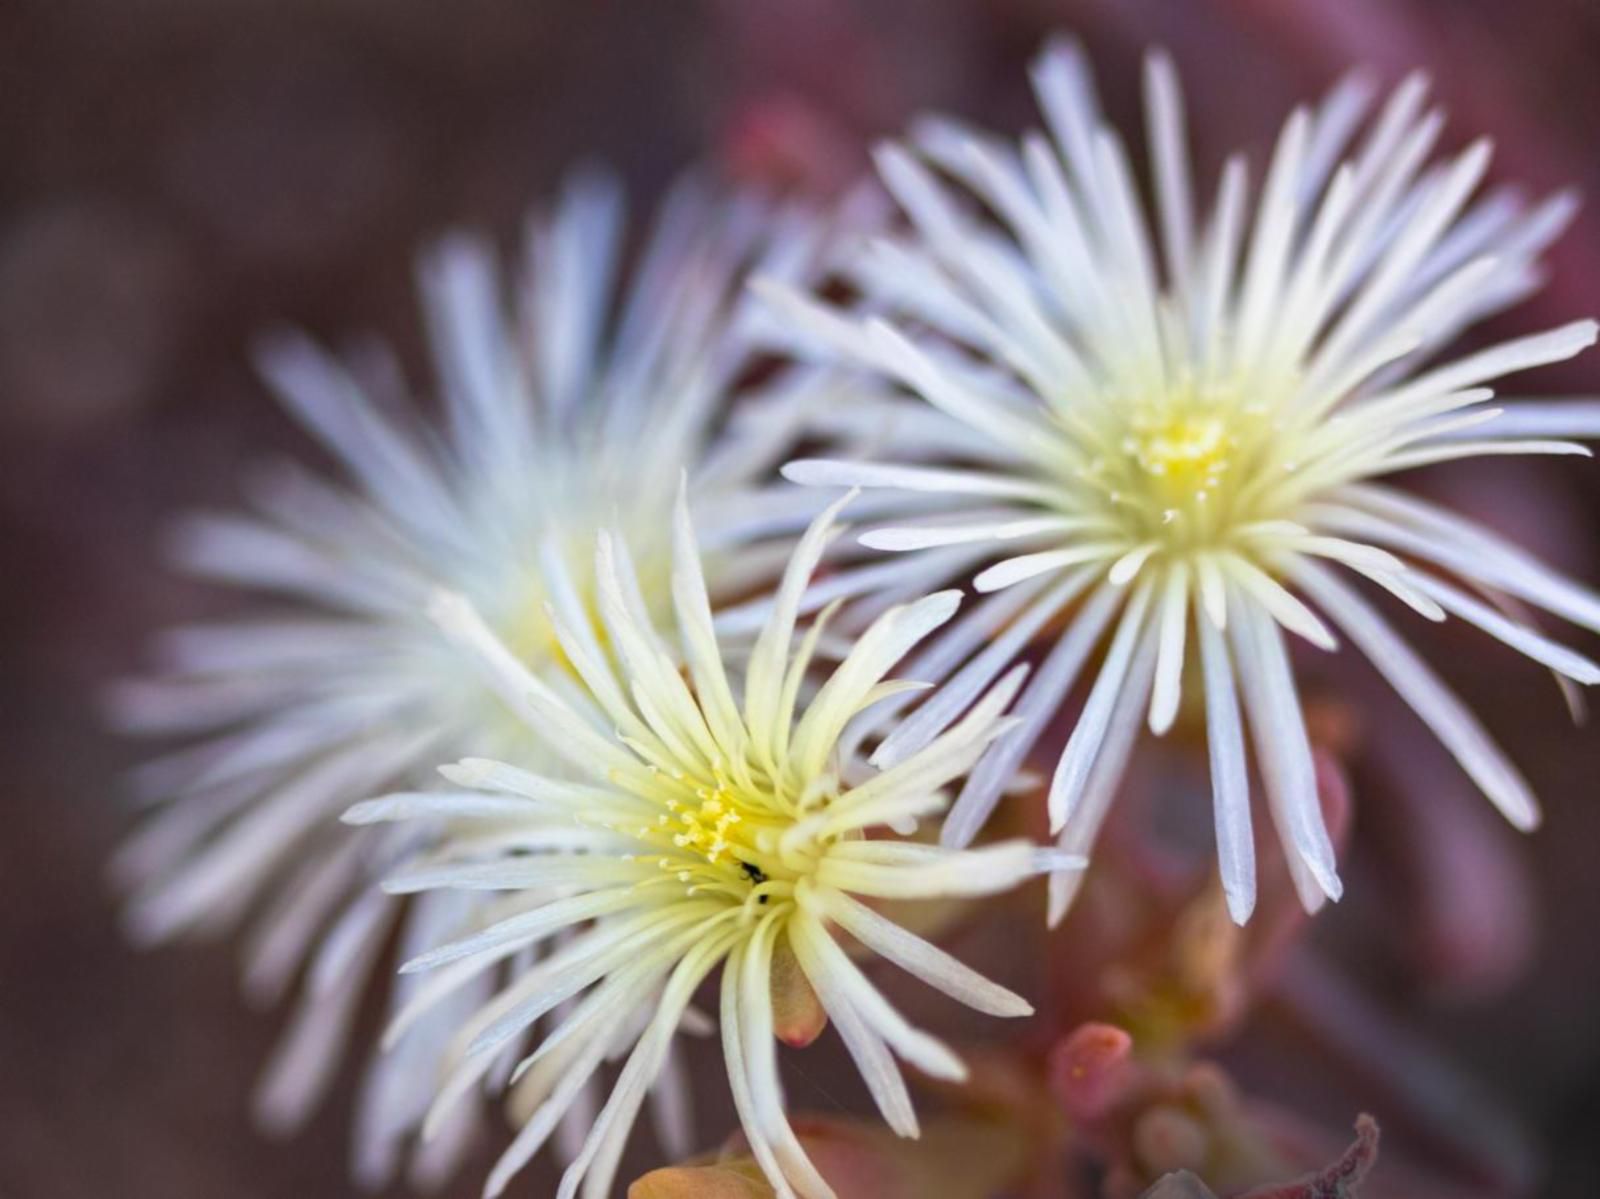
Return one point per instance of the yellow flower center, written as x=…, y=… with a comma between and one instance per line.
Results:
x=1185, y=453
x=1178, y=469
x=706, y=828
x=728, y=831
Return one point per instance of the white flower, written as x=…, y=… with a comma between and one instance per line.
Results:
x=576, y=407
x=1183, y=453
x=712, y=824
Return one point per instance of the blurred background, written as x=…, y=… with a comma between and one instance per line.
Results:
x=177, y=174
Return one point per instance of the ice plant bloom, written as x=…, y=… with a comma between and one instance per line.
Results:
x=703, y=823
x=1182, y=438
x=568, y=403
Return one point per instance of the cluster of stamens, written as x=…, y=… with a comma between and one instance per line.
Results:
x=714, y=833
x=1174, y=463
x=1184, y=452
x=704, y=828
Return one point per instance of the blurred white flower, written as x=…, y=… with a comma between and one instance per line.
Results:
x=1179, y=454
x=711, y=824
x=569, y=404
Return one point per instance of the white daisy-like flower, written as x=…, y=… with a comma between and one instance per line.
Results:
x=1182, y=438
x=712, y=823
x=568, y=404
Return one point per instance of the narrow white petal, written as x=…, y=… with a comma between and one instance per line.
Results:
x=596, y=1166
x=821, y=472
x=1016, y=570
x=1273, y=597
x=921, y=958
x=1426, y=455
x=866, y=1045
x=1578, y=418
x=1037, y=706
x=755, y=1017
x=872, y=869
x=1173, y=615
x=743, y=1087
x=1164, y=106
x=875, y=652
x=1230, y=776
x=899, y=539
x=1436, y=535
x=925, y=1052
x=1213, y=589
x=563, y=730
x=1523, y=353
x=1072, y=772
x=935, y=713
x=1518, y=636
x=419, y=805
x=1105, y=776
x=1278, y=727
x=506, y=936
x=1440, y=710
x=1382, y=567
x=765, y=671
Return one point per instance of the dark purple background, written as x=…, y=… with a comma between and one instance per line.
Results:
x=176, y=173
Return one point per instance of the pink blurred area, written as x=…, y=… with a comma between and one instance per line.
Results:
x=175, y=174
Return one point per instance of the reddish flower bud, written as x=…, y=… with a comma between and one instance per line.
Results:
x=1089, y=1070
